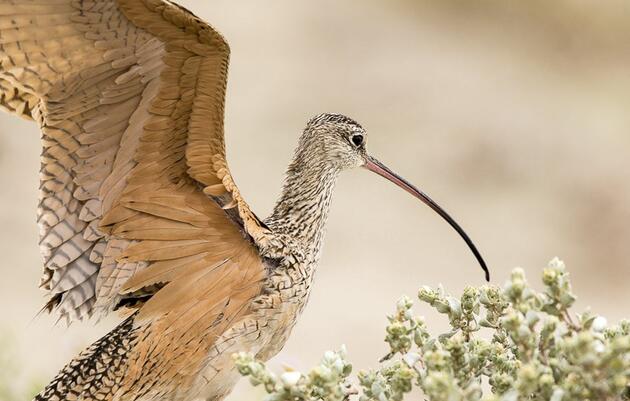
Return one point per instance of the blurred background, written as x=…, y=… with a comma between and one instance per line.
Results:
x=513, y=115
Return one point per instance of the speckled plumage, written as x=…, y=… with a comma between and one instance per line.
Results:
x=150, y=357
x=96, y=371
x=138, y=209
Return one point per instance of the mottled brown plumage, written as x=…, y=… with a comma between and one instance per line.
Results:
x=138, y=210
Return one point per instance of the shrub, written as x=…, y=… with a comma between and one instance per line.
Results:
x=505, y=344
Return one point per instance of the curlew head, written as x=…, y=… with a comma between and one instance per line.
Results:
x=340, y=142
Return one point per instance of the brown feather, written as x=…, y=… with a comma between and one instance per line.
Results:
x=131, y=108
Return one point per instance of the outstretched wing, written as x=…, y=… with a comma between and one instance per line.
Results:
x=129, y=95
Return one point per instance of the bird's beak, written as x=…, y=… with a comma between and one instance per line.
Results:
x=379, y=168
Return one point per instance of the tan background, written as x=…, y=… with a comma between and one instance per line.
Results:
x=513, y=115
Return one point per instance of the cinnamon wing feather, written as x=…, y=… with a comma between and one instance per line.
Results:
x=129, y=95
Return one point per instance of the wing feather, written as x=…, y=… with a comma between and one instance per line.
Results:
x=129, y=95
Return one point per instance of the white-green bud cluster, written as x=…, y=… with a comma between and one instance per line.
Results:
x=327, y=381
x=505, y=344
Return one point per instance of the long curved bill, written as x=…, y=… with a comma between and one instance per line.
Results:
x=379, y=168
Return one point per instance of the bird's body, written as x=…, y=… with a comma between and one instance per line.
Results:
x=138, y=209
x=164, y=359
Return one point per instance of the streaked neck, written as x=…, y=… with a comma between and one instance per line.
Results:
x=303, y=207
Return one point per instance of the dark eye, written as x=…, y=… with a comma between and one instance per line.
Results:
x=357, y=140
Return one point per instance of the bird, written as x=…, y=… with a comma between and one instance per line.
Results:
x=138, y=210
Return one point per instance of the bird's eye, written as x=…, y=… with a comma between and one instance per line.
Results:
x=357, y=140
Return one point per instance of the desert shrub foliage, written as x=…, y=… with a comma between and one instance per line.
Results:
x=505, y=343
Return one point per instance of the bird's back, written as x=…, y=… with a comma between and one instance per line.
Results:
x=98, y=372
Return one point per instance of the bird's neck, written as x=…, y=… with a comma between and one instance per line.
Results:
x=303, y=207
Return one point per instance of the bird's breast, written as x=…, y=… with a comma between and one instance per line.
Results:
x=263, y=332
x=285, y=294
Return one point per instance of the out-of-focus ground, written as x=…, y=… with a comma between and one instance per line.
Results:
x=513, y=115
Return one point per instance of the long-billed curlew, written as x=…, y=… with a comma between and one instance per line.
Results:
x=138, y=210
